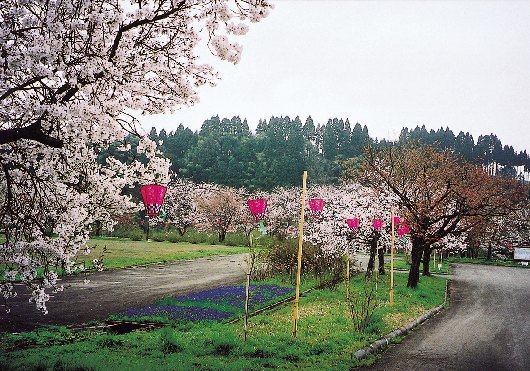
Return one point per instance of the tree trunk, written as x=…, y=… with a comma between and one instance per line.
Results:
x=373, y=251
x=417, y=250
x=490, y=248
x=426, y=261
x=381, y=256
x=222, y=235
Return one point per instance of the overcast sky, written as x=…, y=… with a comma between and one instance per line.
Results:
x=465, y=65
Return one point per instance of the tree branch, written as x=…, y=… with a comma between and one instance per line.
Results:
x=32, y=132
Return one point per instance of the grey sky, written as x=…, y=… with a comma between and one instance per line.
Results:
x=460, y=64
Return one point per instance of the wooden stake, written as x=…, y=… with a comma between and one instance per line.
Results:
x=347, y=271
x=300, y=241
x=247, y=287
x=392, y=261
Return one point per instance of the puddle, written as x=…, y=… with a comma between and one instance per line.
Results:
x=124, y=327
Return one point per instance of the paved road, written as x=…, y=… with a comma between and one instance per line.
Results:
x=487, y=326
x=116, y=290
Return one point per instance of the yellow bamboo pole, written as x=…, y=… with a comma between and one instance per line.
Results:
x=247, y=287
x=347, y=271
x=300, y=241
x=392, y=261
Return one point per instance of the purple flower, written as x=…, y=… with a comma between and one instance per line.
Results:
x=235, y=295
x=200, y=306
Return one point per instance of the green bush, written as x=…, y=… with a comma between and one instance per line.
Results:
x=135, y=235
x=235, y=239
x=174, y=237
x=158, y=236
x=282, y=258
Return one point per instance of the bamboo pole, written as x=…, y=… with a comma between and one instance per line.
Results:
x=347, y=271
x=392, y=261
x=300, y=241
x=247, y=289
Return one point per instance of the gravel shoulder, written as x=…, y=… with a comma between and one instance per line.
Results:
x=112, y=291
x=487, y=326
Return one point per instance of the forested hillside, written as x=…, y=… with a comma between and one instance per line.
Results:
x=225, y=151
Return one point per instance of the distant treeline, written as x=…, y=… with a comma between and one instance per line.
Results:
x=226, y=152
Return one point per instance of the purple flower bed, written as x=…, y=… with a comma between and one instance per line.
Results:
x=234, y=296
x=185, y=313
x=201, y=306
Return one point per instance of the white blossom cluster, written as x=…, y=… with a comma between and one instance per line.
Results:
x=71, y=74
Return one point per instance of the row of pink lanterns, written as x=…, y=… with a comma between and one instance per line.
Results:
x=258, y=206
x=153, y=197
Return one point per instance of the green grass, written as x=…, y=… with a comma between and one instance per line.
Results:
x=498, y=262
x=122, y=253
x=401, y=263
x=326, y=339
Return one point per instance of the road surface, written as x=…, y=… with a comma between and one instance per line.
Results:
x=487, y=326
x=116, y=290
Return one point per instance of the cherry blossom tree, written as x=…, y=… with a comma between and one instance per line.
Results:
x=180, y=205
x=218, y=211
x=438, y=193
x=283, y=212
x=346, y=201
x=73, y=77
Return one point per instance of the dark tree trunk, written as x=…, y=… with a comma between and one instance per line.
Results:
x=373, y=252
x=426, y=261
x=490, y=248
x=99, y=227
x=381, y=256
x=222, y=235
x=417, y=250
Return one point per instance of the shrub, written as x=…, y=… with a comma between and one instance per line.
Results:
x=174, y=237
x=282, y=258
x=158, y=236
x=235, y=239
x=135, y=235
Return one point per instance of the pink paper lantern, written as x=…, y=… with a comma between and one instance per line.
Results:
x=316, y=205
x=153, y=197
x=378, y=224
x=257, y=208
x=353, y=223
x=403, y=230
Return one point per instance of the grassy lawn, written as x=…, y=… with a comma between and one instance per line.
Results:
x=326, y=336
x=499, y=262
x=119, y=253
x=402, y=264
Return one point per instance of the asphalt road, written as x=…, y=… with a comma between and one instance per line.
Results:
x=487, y=326
x=116, y=290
